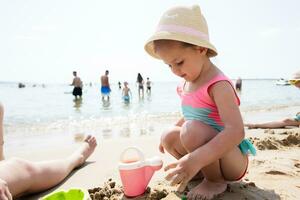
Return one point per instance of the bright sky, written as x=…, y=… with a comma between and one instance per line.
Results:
x=44, y=41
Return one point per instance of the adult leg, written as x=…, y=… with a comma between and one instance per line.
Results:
x=28, y=177
x=231, y=166
x=1, y=132
x=275, y=124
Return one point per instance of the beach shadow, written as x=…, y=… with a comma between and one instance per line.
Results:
x=46, y=192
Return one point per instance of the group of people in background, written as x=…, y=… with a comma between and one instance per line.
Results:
x=141, y=83
x=106, y=89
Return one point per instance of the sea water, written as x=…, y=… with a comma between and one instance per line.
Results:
x=38, y=111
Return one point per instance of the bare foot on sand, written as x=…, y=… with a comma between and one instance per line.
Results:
x=85, y=150
x=206, y=190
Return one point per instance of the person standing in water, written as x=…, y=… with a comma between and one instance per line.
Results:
x=148, y=84
x=126, y=93
x=105, y=86
x=77, y=83
x=238, y=84
x=140, y=82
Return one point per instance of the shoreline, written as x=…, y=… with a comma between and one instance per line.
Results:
x=55, y=135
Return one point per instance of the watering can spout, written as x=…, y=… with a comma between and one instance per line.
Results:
x=136, y=175
x=152, y=165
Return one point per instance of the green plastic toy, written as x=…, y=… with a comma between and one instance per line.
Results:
x=72, y=194
x=183, y=197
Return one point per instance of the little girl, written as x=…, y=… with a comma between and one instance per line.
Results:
x=210, y=135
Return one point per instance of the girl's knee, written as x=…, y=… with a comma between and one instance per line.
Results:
x=195, y=133
x=169, y=137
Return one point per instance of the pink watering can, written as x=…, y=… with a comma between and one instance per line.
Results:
x=137, y=172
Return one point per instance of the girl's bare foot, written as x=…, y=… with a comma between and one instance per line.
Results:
x=207, y=190
x=85, y=150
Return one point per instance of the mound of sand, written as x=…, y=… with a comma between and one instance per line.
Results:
x=240, y=190
x=274, y=143
x=112, y=191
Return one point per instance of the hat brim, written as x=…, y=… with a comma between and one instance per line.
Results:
x=164, y=35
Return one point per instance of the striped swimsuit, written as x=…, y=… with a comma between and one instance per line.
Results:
x=198, y=105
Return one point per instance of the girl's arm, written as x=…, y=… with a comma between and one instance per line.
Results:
x=224, y=97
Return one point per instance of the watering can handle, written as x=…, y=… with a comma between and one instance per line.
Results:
x=139, y=152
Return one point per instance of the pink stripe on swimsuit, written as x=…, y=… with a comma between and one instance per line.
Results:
x=198, y=105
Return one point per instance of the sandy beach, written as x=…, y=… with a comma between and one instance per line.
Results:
x=273, y=174
x=125, y=72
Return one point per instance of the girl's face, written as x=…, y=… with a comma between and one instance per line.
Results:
x=185, y=62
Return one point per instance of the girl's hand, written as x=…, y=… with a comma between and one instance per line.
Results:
x=4, y=192
x=182, y=171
